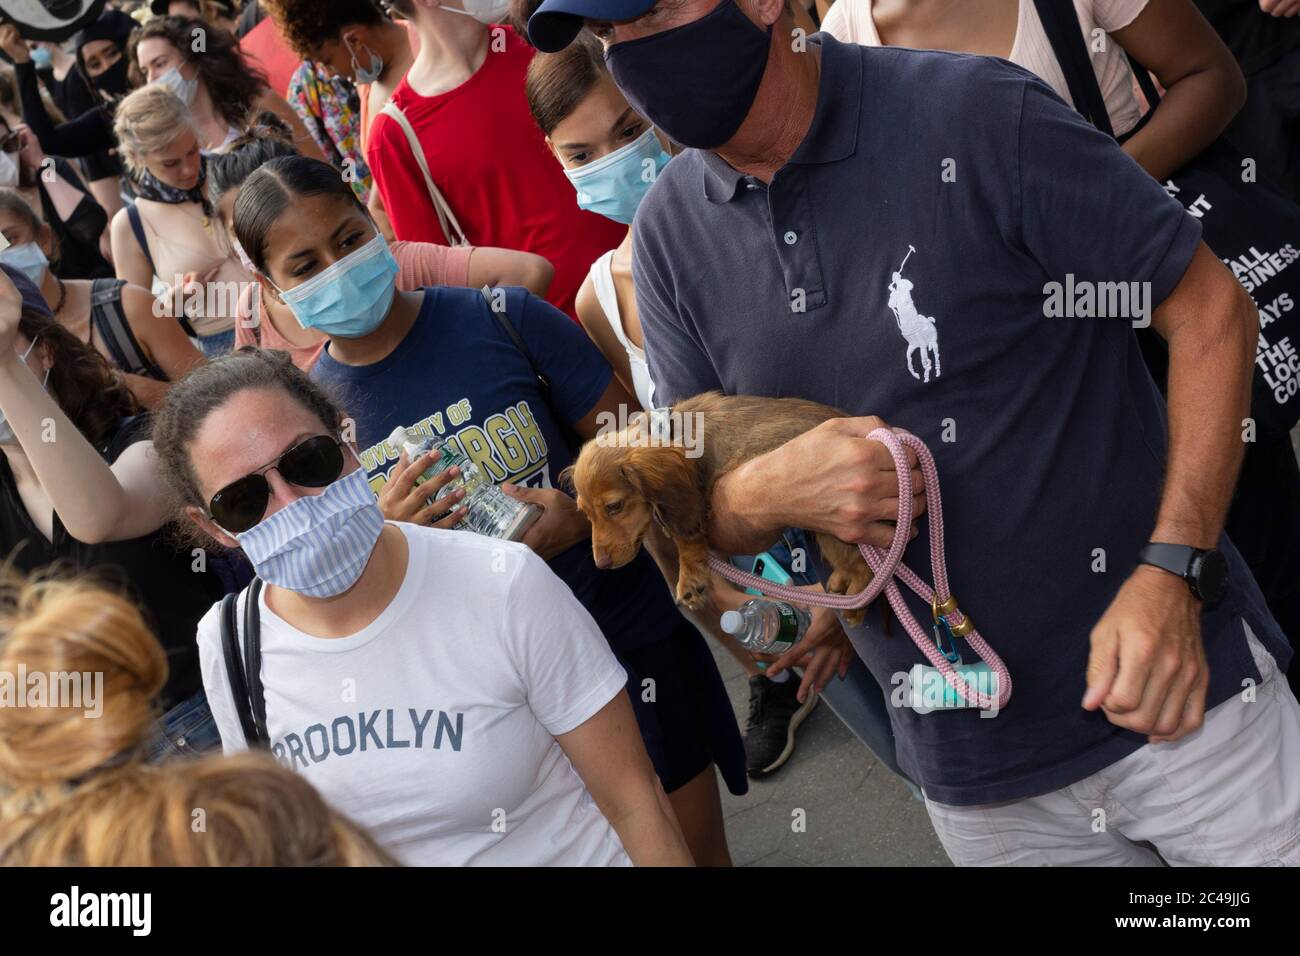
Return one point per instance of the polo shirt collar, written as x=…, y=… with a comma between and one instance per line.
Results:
x=833, y=135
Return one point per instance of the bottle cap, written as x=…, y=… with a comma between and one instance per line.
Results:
x=399, y=437
x=732, y=622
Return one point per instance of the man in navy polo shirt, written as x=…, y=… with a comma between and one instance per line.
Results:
x=940, y=241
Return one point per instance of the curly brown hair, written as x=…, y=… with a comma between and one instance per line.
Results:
x=232, y=82
x=309, y=24
x=190, y=401
x=89, y=391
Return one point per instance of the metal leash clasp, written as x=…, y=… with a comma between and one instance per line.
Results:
x=949, y=607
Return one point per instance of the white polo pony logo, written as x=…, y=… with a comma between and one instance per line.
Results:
x=918, y=329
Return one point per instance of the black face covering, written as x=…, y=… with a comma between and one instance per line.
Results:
x=696, y=82
x=115, y=26
x=112, y=81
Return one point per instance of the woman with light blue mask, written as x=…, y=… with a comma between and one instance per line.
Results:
x=515, y=385
x=115, y=318
x=612, y=156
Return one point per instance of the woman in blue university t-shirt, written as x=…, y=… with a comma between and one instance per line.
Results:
x=439, y=360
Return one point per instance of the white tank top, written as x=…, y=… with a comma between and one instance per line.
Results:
x=602, y=280
x=851, y=22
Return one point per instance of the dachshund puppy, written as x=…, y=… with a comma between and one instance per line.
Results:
x=648, y=472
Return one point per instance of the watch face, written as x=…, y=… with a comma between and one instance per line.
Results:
x=1212, y=576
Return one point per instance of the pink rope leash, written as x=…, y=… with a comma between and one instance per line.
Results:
x=888, y=568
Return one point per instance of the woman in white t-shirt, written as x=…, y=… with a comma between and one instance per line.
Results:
x=443, y=689
x=1204, y=85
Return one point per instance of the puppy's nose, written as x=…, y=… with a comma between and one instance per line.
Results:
x=603, y=560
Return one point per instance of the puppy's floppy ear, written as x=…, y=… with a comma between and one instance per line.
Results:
x=564, y=480
x=670, y=482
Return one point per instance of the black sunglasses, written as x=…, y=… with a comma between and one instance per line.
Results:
x=313, y=463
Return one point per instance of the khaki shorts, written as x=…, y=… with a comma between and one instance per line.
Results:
x=1226, y=795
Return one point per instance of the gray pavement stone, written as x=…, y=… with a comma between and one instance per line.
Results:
x=854, y=811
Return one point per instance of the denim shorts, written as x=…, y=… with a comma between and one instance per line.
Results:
x=187, y=730
x=218, y=343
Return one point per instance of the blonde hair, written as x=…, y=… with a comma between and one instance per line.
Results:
x=74, y=789
x=147, y=121
x=74, y=627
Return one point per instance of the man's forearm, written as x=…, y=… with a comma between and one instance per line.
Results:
x=743, y=516
x=1211, y=362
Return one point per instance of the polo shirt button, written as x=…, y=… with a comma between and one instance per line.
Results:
x=791, y=238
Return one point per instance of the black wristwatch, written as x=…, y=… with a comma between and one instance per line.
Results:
x=1206, y=572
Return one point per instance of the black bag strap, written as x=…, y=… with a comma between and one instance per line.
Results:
x=515, y=298
x=137, y=227
x=1145, y=83
x=1061, y=24
x=253, y=658
x=244, y=671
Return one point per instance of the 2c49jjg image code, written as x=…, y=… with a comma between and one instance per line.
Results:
x=1183, y=898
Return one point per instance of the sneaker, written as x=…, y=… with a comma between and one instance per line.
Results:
x=774, y=715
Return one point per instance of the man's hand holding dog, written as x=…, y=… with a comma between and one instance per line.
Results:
x=829, y=479
x=561, y=525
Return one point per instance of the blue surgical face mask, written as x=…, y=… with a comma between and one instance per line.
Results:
x=352, y=297
x=183, y=88
x=29, y=259
x=360, y=73
x=7, y=436
x=614, y=185
x=318, y=545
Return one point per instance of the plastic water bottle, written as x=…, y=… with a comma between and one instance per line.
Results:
x=491, y=511
x=767, y=626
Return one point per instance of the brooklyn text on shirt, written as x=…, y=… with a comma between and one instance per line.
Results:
x=509, y=445
x=391, y=729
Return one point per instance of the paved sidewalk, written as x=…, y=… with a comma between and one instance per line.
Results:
x=856, y=812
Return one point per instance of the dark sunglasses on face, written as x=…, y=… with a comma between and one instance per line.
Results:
x=313, y=463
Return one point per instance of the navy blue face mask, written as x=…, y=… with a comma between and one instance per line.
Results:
x=698, y=81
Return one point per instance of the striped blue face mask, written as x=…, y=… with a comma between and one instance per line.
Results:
x=318, y=545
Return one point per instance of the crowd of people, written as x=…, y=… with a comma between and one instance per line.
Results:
x=246, y=245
